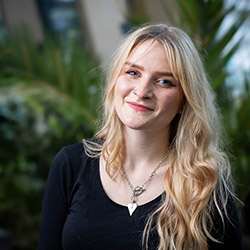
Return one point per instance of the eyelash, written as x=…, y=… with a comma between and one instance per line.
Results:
x=167, y=83
x=132, y=71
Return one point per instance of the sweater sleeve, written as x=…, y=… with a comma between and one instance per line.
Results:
x=55, y=202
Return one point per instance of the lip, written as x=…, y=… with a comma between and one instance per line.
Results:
x=139, y=107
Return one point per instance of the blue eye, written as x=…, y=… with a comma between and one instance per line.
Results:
x=132, y=73
x=165, y=82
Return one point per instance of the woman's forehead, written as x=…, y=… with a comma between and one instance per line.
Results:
x=142, y=47
x=147, y=49
x=150, y=53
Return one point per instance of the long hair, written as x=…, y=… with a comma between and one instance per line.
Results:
x=196, y=181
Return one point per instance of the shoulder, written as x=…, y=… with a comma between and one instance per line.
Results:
x=74, y=152
x=71, y=154
x=78, y=152
x=70, y=160
x=69, y=164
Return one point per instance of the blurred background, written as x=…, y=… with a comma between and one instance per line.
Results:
x=52, y=56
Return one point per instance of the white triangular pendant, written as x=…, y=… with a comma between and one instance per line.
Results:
x=132, y=207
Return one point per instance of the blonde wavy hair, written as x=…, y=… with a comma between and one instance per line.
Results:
x=197, y=181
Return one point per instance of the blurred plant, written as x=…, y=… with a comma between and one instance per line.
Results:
x=136, y=14
x=237, y=122
x=203, y=21
x=56, y=69
x=48, y=98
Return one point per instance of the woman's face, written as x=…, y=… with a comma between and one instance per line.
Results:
x=147, y=96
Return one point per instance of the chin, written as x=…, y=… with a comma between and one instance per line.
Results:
x=136, y=126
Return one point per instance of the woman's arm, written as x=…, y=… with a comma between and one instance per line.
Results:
x=55, y=203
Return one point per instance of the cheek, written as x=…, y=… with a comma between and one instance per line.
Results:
x=122, y=87
x=173, y=101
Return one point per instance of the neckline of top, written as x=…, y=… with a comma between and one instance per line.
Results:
x=154, y=200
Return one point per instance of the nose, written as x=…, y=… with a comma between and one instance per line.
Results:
x=143, y=89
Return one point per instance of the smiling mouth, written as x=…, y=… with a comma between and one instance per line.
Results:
x=139, y=107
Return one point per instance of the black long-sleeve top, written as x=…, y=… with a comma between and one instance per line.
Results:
x=78, y=215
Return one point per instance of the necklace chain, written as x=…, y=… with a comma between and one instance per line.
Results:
x=138, y=190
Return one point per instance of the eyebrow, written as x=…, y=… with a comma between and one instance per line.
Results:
x=142, y=68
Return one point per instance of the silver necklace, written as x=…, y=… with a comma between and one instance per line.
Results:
x=138, y=190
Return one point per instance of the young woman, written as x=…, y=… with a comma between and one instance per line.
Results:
x=154, y=176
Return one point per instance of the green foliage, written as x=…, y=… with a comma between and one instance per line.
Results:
x=236, y=111
x=136, y=16
x=20, y=197
x=48, y=98
x=203, y=21
x=55, y=69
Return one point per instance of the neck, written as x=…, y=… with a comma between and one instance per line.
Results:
x=144, y=148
